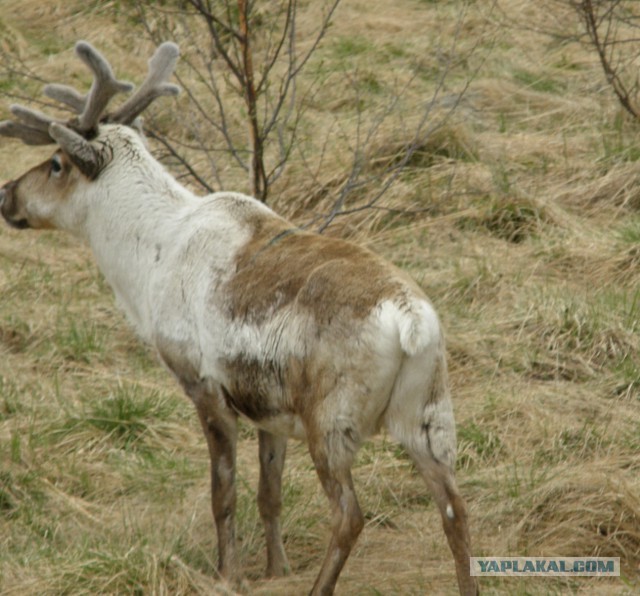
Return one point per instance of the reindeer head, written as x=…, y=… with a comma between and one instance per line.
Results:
x=85, y=147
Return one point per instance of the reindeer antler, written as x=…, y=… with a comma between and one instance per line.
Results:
x=66, y=95
x=104, y=86
x=161, y=66
x=34, y=127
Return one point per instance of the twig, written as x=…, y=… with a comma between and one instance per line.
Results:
x=593, y=25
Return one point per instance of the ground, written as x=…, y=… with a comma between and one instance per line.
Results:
x=519, y=214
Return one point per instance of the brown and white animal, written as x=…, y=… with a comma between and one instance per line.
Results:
x=304, y=335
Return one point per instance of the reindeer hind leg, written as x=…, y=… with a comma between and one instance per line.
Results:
x=333, y=456
x=420, y=417
x=440, y=481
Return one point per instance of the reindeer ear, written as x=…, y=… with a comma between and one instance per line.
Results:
x=82, y=153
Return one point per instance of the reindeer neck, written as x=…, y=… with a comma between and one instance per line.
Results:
x=132, y=220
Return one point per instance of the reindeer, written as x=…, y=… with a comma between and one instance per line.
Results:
x=306, y=336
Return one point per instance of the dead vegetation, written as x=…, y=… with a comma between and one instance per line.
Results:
x=519, y=215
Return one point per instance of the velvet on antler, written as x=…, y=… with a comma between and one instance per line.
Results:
x=74, y=134
x=161, y=66
x=32, y=126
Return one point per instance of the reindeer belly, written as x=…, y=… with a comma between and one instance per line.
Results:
x=285, y=425
x=265, y=413
x=260, y=392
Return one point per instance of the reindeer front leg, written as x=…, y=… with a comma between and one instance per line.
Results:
x=219, y=424
x=272, y=454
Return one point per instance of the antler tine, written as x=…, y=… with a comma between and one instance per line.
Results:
x=161, y=66
x=28, y=135
x=32, y=127
x=31, y=118
x=66, y=95
x=104, y=86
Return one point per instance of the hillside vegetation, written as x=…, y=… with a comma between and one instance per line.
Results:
x=519, y=216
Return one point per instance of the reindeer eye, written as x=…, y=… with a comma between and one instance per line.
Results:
x=56, y=165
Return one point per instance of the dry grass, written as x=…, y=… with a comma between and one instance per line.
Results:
x=526, y=235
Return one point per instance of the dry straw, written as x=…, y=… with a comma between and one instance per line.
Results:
x=520, y=217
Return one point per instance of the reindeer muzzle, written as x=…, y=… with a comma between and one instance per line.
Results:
x=8, y=207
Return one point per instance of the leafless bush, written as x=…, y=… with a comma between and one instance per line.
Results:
x=611, y=29
x=253, y=53
x=242, y=63
x=245, y=103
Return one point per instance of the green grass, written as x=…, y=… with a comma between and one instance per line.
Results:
x=505, y=215
x=129, y=418
x=78, y=340
x=538, y=82
x=629, y=232
x=476, y=442
x=347, y=48
x=618, y=141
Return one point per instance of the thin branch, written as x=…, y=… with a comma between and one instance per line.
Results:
x=593, y=25
x=213, y=24
x=387, y=178
x=181, y=159
x=275, y=53
x=257, y=174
